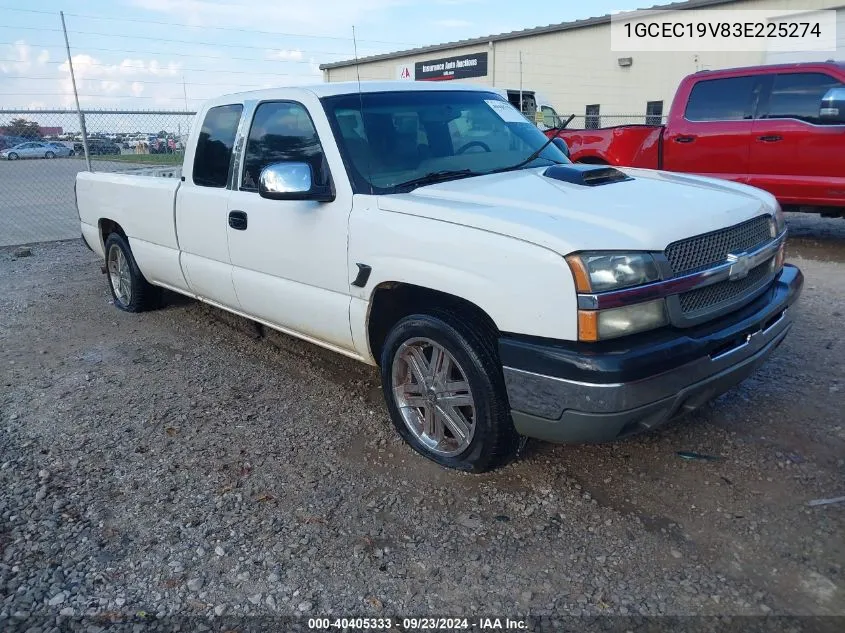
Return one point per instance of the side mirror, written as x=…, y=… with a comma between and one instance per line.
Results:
x=833, y=106
x=561, y=145
x=291, y=181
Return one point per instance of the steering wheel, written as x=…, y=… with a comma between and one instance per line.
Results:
x=483, y=146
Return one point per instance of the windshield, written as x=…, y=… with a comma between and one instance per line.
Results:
x=406, y=136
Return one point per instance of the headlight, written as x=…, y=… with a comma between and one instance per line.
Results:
x=599, y=272
x=609, y=271
x=594, y=325
x=779, y=221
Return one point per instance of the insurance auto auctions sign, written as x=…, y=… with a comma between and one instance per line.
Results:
x=457, y=67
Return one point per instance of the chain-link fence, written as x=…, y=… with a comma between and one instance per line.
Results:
x=41, y=151
x=599, y=121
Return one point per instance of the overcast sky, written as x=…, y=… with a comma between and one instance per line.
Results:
x=137, y=53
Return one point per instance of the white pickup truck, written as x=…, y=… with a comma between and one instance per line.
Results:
x=431, y=230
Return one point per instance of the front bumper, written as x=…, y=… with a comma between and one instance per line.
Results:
x=593, y=392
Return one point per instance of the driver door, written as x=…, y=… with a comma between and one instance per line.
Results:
x=289, y=257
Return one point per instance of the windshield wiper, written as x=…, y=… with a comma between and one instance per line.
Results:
x=437, y=176
x=534, y=155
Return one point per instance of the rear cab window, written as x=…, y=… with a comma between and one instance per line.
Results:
x=727, y=99
x=214, y=146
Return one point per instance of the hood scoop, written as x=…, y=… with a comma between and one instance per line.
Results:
x=586, y=175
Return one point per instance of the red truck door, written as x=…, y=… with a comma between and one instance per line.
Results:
x=709, y=132
x=795, y=155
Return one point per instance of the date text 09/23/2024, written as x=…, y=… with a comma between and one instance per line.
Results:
x=420, y=624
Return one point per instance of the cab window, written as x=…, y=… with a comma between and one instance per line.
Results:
x=214, y=146
x=282, y=131
x=728, y=99
x=550, y=117
x=799, y=96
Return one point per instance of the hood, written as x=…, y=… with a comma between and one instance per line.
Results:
x=648, y=212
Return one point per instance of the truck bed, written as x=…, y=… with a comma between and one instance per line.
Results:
x=142, y=202
x=625, y=145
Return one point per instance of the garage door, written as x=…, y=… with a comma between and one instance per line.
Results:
x=781, y=57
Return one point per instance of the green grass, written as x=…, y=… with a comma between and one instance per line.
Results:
x=143, y=159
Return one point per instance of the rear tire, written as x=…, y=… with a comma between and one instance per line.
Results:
x=130, y=290
x=49, y=155
x=444, y=389
x=13, y=156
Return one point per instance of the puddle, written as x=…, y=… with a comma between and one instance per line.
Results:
x=826, y=249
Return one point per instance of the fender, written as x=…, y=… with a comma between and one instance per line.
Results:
x=524, y=288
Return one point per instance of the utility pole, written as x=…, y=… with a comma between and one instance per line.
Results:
x=520, y=82
x=76, y=95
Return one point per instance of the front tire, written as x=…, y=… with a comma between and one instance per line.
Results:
x=130, y=290
x=49, y=155
x=443, y=384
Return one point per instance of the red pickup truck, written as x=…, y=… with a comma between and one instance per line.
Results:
x=780, y=128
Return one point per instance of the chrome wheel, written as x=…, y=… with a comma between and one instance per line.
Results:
x=433, y=396
x=120, y=275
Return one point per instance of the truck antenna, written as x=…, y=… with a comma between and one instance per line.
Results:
x=361, y=104
x=355, y=47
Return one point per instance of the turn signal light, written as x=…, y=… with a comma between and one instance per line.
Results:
x=781, y=257
x=580, y=273
x=588, y=325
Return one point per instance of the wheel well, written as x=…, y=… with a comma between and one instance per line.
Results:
x=107, y=227
x=592, y=160
x=393, y=301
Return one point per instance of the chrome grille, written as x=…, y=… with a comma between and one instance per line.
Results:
x=704, y=251
x=719, y=294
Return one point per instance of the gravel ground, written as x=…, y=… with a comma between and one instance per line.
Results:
x=180, y=463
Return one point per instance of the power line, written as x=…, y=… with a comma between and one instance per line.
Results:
x=98, y=96
x=195, y=26
x=172, y=41
x=175, y=82
x=123, y=51
x=181, y=69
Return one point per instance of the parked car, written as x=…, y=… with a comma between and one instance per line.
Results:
x=779, y=128
x=502, y=292
x=97, y=147
x=33, y=149
x=60, y=148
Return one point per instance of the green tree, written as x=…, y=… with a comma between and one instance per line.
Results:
x=22, y=127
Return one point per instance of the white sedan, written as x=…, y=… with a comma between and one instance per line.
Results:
x=35, y=149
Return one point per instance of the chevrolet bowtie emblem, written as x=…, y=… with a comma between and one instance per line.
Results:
x=740, y=265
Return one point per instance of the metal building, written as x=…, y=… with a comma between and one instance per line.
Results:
x=572, y=66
